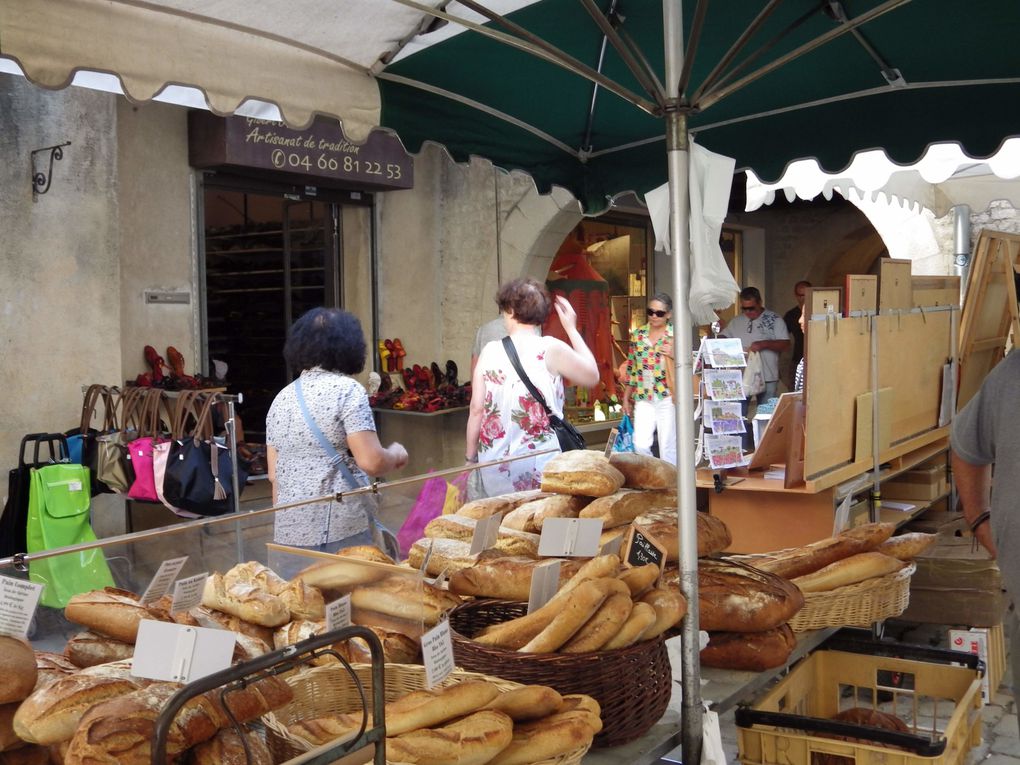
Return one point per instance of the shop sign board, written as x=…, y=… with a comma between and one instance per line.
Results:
x=317, y=155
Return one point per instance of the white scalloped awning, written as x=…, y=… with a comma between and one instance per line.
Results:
x=944, y=177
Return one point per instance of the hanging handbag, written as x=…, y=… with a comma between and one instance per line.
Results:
x=140, y=450
x=369, y=503
x=569, y=437
x=184, y=410
x=14, y=520
x=113, y=467
x=76, y=437
x=199, y=471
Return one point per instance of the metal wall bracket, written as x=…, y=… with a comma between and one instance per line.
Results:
x=41, y=181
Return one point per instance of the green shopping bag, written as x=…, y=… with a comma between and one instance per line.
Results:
x=58, y=516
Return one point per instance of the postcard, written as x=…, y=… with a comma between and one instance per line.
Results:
x=724, y=352
x=724, y=417
x=725, y=452
x=724, y=384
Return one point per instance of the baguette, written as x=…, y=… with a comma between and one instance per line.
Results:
x=670, y=607
x=321, y=730
x=850, y=570
x=602, y=626
x=640, y=578
x=18, y=670
x=112, y=612
x=583, y=472
x=245, y=601
x=578, y=608
x=625, y=505
x=405, y=597
x=547, y=738
x=473, y=740
x=87, y=649
x=799, y=561
x=426, y=708
x=907, y=546
x=366, y=552
x=505, y=578
x=642, y=616
x=531, y=516
x=529, y=702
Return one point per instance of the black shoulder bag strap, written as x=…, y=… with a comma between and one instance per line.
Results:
x=508, y=345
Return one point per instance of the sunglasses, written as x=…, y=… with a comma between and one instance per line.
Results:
x=746, y=308
x=660, y=314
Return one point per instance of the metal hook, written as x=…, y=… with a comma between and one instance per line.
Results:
x=41, y=181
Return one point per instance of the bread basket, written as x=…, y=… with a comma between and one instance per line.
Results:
x=856, y=605
x=633, y=684
x=330, y=689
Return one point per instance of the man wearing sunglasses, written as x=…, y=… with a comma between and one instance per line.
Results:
x=761, y=330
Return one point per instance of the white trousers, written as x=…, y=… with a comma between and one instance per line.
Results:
x=652, y=416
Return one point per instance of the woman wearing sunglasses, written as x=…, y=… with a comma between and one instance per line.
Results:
x=647, y=394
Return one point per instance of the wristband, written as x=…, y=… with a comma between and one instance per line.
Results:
x=979, y=520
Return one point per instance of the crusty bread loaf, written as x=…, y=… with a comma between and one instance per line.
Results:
x=506, y=578
x=405, y=597
x=713, y=536
x=579, y=606
x=473, y=740
x=907, y=546
x=247, y=648
x=451, y=527
x=246, y=601
x=448, y=555
x=320, y=730
x=303, y=600
x=87, y=649
x=226, y=748
x=642, y=471
x=51, y=714
x=547, y=738
x=799, y=561
x=583, y=472
x=110, y=611
x=501, y=505
x=642, y=616
x=204, y=616
x=531, y=516
x=850, y=570
x=670, y=607
x=340, y=576
x=8, y=738
x=514, y=542
x=529, y=702
x=749, y=651
x=397, y=648
x=733, y=597
x=253, y=572
x=364, y=617
x=426, y=708
x=640, y=578
x=365, y=552
x=582, y=702
x=625, y=505
x=18, y=671
x=602, y=626
x=51, y=667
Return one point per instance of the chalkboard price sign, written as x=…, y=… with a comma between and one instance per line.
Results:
x=643, y=549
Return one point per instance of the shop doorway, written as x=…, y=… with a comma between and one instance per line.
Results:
x=267, y=259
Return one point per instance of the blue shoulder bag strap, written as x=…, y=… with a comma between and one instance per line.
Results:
x=334, y=455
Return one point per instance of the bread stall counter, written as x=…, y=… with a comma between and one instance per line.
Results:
x=600, y=656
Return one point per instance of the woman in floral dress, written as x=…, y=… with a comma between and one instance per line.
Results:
x=505, y=419
x=646, y=395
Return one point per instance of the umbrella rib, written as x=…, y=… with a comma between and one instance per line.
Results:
x=537, y=47
x=720, y=93
x=636, y=66
x=435, y=90
x=692, y=46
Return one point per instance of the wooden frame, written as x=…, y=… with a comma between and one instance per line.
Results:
x=936, y=290
x=861, y=295
x=895, y=288
x=823, y=301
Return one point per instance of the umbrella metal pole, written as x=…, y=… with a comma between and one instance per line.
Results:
x=678, y=161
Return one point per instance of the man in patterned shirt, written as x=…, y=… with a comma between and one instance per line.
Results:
x=761, y=330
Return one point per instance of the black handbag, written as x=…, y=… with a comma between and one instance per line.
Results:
x=14, y=519
x=570, y=438
x=199, y=472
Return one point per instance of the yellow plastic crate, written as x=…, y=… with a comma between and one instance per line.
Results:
x=940, y=703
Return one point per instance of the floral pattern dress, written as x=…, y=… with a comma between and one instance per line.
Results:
x=513, y=422
x=646, y=365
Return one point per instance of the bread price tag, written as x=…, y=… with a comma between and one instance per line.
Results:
x=338, y=614
x=570, y=537
x=545, y=581
x=611, y=441
x=642, y=548
x=437, y=653
x=165, y=575
x=180, y=653
x=486, y=534
x=188, y=592
x=18, y=601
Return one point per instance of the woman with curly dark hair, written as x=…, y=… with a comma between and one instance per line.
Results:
x=321, y=436
x=505, y=420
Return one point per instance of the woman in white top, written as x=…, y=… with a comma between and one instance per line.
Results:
x=505, y=420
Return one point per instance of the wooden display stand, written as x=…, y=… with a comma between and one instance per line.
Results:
x=900, y=353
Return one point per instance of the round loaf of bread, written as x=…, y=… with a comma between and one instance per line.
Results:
x=749, y=651
x=448, y=555
x=733, y=597
x=246, y=601
x=110, y=611
x=583, y=472
x=641, y=471
x=18, y=672
x=713, y=536
x=451, y=527
x=625, y=505
x=473, y=740
x=226, y=748
x=87, y=649
x=531, y=515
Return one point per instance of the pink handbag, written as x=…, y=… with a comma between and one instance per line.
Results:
x=140, y=450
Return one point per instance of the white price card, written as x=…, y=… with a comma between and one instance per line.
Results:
x=165, y=575
x=545, y=581
x=338, y=614
x=437, y=653
x=18, y=601
x=180, y=653
x=486, y=533
x=188, y=592
x=570, y=537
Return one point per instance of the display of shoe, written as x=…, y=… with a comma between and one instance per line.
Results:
x=451, y=372
x=398, y=350
x=156, y=364
x=384, y=357
x=176, y=359
x=438, y=378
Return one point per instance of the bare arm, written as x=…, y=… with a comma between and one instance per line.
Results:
x=974, y=484
x=271, y=468
x=372, y=457
x=574, y=361
x=475, y=412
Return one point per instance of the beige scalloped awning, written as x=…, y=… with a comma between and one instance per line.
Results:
x=309, y=57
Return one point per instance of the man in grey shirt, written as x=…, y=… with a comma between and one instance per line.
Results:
x=761, y=330
x=986, y=434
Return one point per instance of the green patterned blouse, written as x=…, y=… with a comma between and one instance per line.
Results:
x=646, y=365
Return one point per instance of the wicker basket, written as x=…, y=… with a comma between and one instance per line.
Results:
x=633, y=685
x=856, y=605
x=328, y=690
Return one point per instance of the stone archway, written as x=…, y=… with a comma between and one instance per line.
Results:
x=533, y=230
